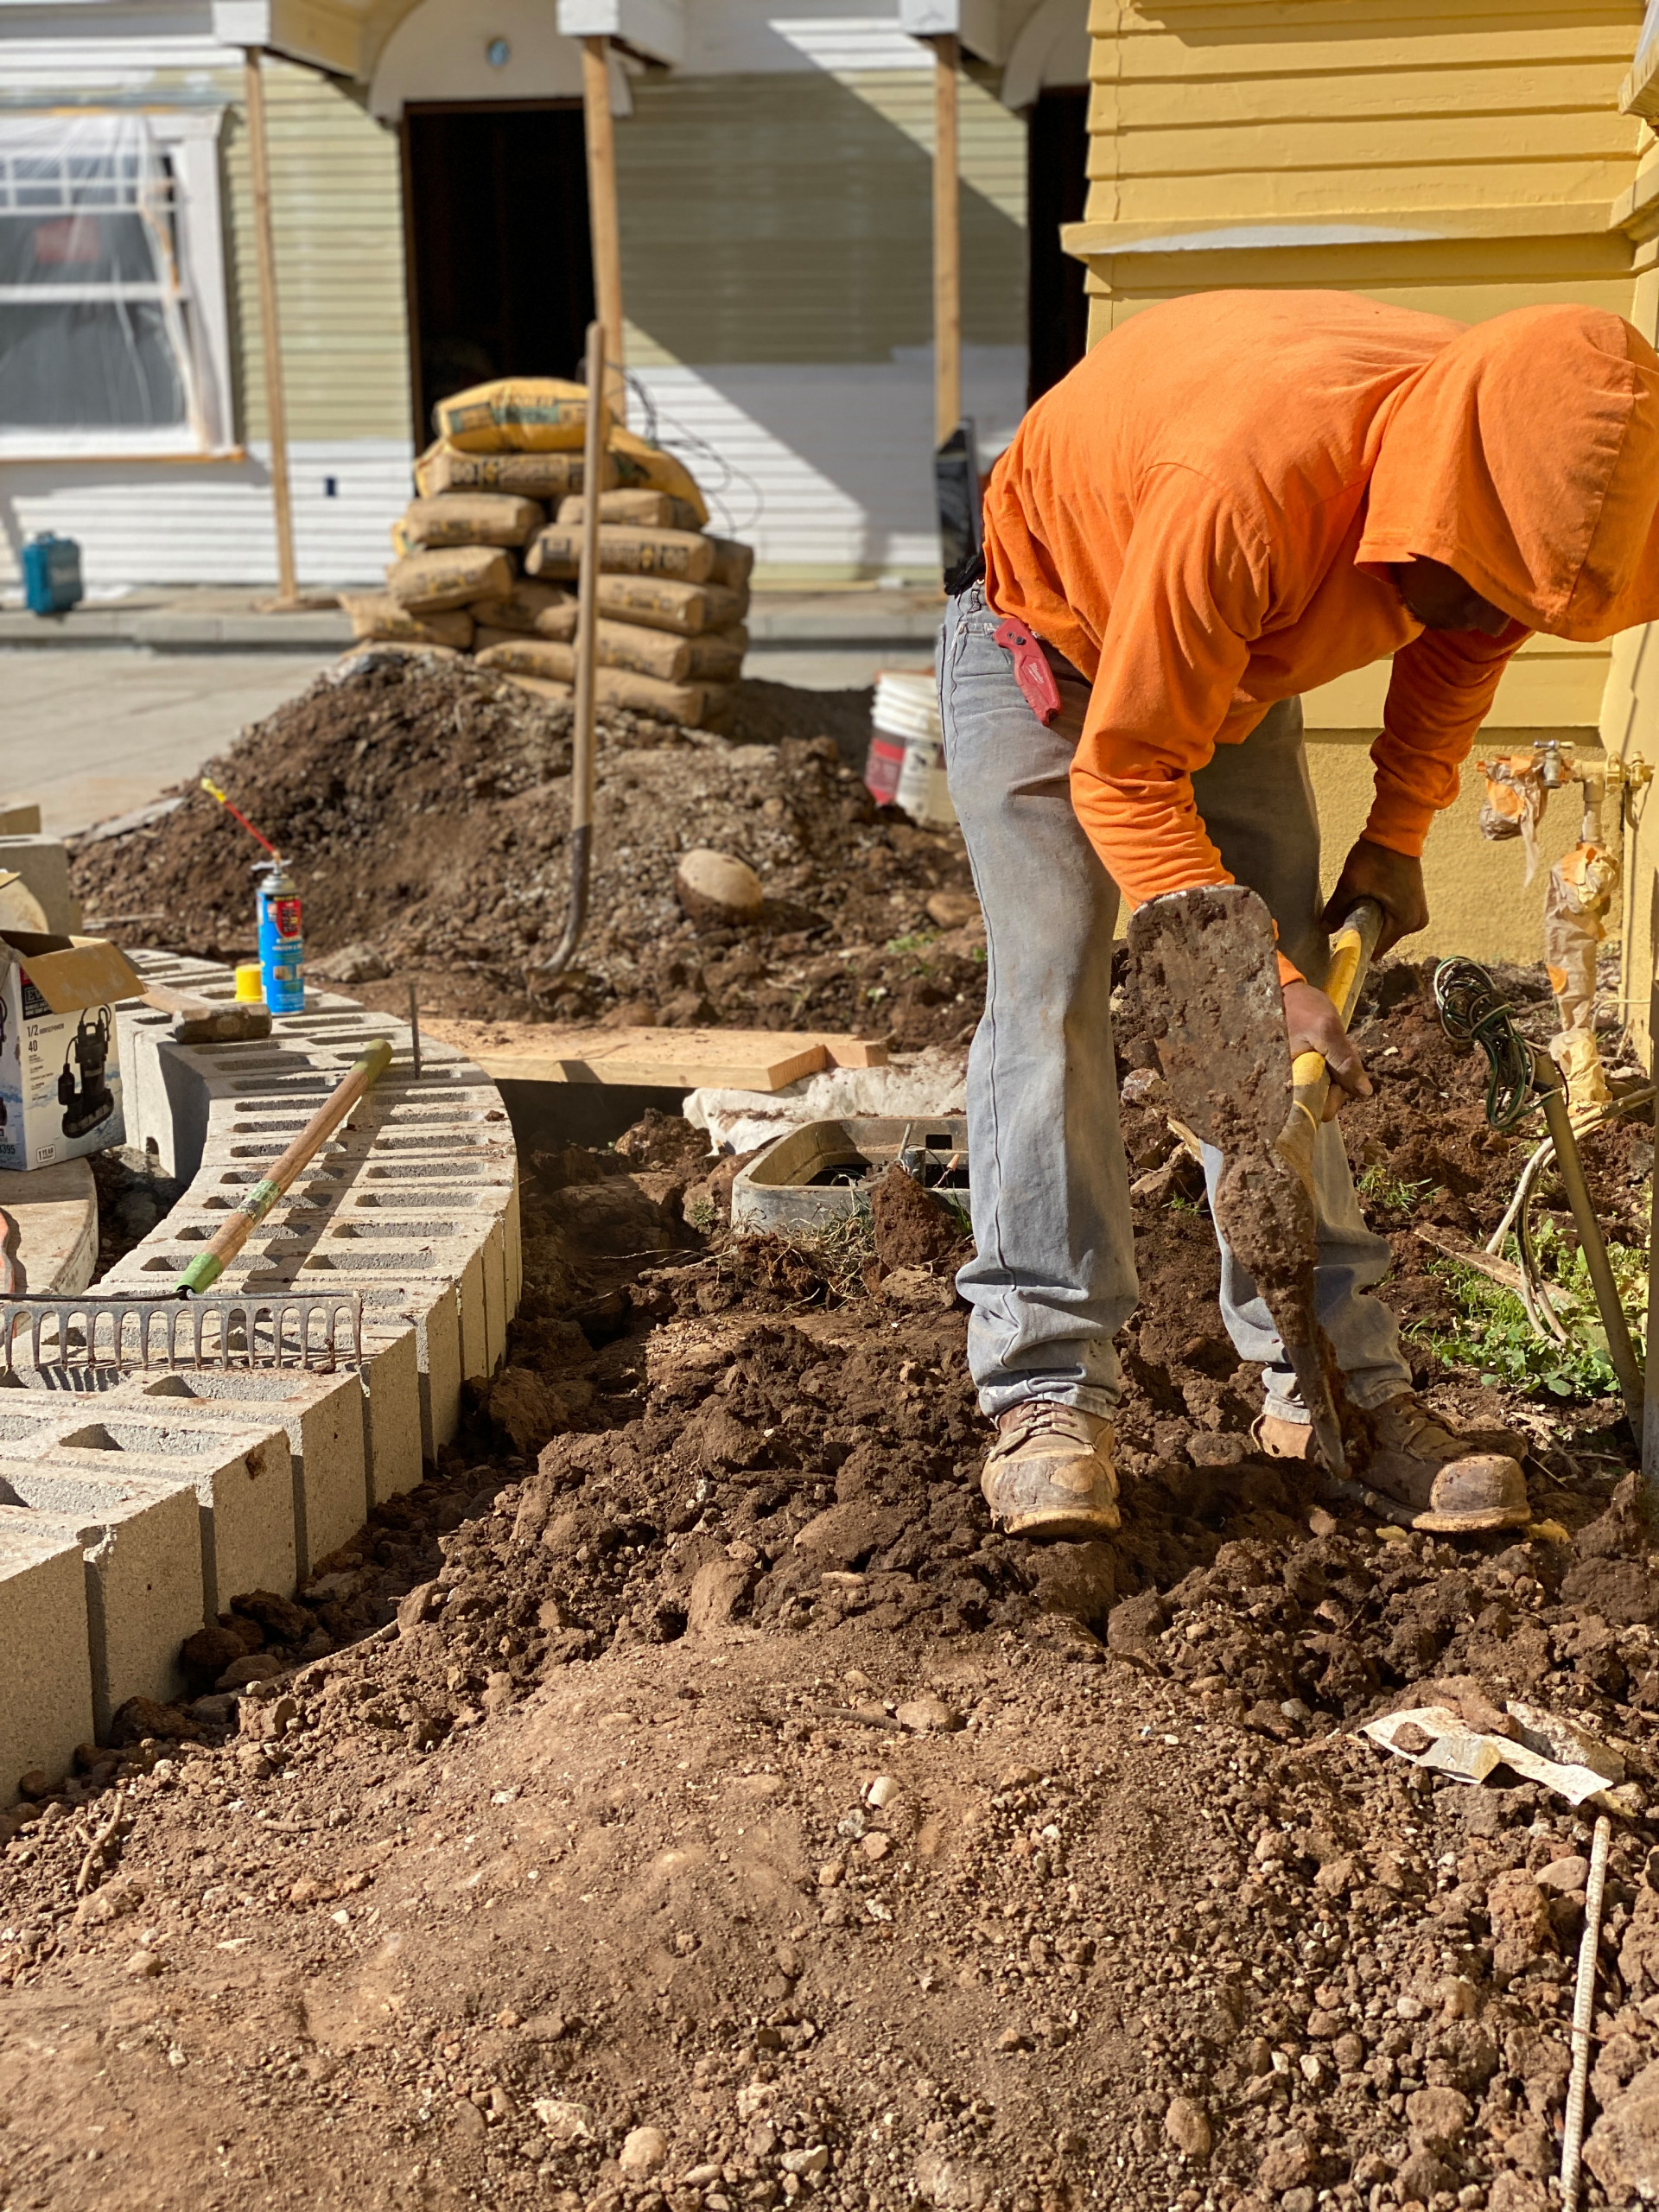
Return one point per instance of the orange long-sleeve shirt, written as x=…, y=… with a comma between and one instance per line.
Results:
x=1202, y=518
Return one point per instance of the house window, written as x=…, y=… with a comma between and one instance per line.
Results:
x=106, y=339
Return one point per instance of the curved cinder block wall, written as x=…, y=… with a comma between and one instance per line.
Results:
x=134, y=1505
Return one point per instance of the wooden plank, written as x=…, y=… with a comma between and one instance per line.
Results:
x=676, y=1059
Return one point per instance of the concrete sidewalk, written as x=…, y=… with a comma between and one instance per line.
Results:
x=218, y=618
x=94, y=734
x=102, y=708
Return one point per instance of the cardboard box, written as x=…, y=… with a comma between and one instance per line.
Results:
x=59, y=1066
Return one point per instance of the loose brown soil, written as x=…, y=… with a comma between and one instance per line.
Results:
x=690, y=1756
x=424, y=808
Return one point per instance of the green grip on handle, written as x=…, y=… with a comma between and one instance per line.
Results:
x=203, y=1272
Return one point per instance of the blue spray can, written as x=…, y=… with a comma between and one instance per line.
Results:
x=282, y=940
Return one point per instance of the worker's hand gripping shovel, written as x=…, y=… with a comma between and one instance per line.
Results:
x=1209, y=982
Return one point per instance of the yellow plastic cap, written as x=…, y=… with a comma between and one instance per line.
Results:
x=250, y=980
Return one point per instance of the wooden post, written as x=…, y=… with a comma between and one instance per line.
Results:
x=288, y=596
x=583, y=749
x=602, y=217
x=947, y=243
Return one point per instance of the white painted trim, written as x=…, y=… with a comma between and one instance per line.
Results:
x=654, y=29
x=1266, y=238
x=977, y=24
x=440, y=52
x=1052, y=48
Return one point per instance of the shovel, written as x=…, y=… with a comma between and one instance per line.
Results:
x=1209, y=982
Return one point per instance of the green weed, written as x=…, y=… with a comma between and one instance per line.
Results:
x=1493, y=1336
x=1391, y=1192
x=912, y=941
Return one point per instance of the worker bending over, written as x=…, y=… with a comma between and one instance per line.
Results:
x=1234, y=498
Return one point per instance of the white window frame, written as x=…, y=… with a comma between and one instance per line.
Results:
x=189, y=137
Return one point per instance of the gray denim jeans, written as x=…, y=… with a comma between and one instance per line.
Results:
x=1053, y=1279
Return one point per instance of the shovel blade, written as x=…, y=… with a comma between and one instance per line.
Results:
x=1208, y=979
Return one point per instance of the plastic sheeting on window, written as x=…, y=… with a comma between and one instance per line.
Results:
x=93, y=348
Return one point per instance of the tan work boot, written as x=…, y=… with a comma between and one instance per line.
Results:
x=1050, y=1475
x=1448, y=1488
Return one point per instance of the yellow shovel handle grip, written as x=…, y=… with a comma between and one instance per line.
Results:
x=1350, y=957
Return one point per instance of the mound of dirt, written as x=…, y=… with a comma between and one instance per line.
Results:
x=703, y=1807
x=423, y=807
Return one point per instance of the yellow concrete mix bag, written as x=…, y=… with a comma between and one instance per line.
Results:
x=474, y=518
x=429, y=582
x=647, y=653
x=377, y=615
x=619, y=644
x=636, y=463
x=660, y=603
x=613, y=687
x=515, y=414
x=530, y=415
x=645, y=510
x=716, y=656
x=539, y=610
x=551, y=476
x=557, y=551
x=734, y=564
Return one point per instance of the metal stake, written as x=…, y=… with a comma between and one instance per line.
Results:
x=1584, y=2007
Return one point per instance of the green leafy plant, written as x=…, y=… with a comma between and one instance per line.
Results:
x=1493, y=1336
x=912, y=941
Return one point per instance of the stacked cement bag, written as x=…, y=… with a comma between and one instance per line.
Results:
x=488, y=553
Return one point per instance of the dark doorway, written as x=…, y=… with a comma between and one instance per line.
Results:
x=1057, y=175
x=500, y=272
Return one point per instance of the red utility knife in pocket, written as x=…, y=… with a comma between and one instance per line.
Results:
x=1031, y=670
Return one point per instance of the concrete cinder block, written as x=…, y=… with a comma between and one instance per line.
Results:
x=496, y=1303
x=413, y=1205
x=438, y=1340
x=242, y=1477
x=45, y=1682
x=43, y=863
x=474, y=1325
x=327, y=1439
x=515, y=1219
x=391, y=1410
x=140, y=1542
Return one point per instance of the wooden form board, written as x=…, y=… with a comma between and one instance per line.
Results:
x=671, y=1059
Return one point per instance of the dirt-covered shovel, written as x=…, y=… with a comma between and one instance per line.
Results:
x=1208, y=978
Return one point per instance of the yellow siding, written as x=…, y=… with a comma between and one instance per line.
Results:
x=337, y=214
x=1336, y=107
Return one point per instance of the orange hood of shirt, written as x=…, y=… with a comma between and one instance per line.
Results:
x=1526, y=456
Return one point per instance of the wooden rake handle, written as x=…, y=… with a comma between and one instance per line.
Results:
x=204, y=1270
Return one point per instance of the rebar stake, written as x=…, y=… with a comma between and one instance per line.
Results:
x=1584, y=2007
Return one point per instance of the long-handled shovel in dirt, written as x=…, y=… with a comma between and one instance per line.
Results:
x=1209, y=983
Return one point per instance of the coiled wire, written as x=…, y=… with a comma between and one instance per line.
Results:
x=1472, y=1012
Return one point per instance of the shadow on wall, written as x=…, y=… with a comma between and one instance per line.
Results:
x=787, y=303
x=827, y=466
